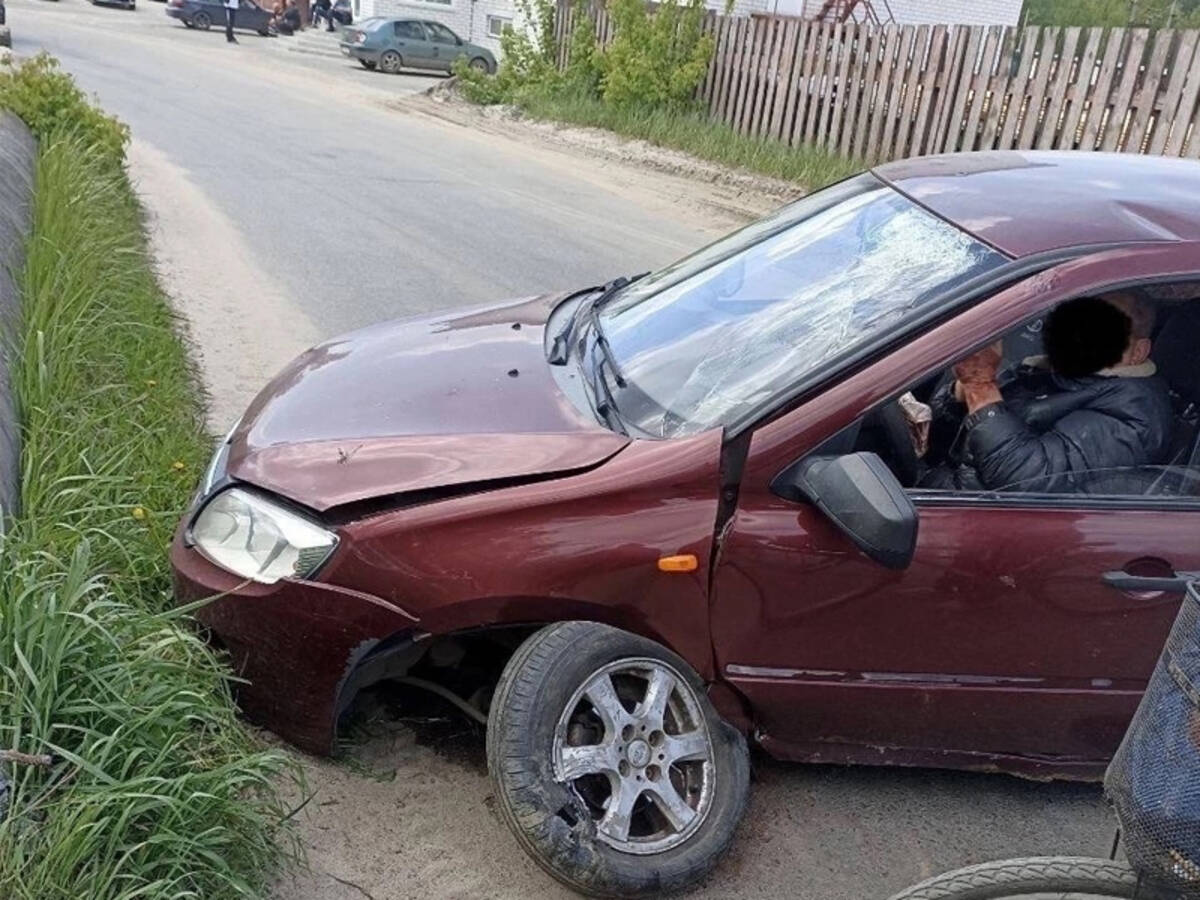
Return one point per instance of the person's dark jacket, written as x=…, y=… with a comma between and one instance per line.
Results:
x=289, y=22
x=1054, y=434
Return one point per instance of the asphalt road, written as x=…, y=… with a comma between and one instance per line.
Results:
x=358, y=213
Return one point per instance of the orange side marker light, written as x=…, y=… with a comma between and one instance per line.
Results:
x=684, y=562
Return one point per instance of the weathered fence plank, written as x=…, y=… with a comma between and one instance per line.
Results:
x=1057, y=91
x=754, y=75
x=1143, y=119
x=762, y=110
x=1114, y=131
x=933, y=67
x=895, y=97
x=1189, y=89
x=889, y=41
x=1174, y=91
x=788, y=68
x=855, y=85
x=794, y=85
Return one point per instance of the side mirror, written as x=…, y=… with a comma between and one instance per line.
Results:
x=861, y=496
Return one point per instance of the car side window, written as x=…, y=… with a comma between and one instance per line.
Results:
x=1059, y=406
x=411, y=31
x=440, y=34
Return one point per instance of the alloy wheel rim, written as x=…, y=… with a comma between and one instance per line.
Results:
x=633, y=746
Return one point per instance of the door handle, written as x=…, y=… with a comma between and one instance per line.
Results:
x=1175, y=584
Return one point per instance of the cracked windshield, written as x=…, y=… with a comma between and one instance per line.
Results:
x=713, y=337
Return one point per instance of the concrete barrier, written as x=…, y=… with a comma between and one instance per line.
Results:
x=18, y=161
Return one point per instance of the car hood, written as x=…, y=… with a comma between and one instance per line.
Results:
x=458, y=399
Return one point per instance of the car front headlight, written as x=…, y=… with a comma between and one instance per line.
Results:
x=255, y=538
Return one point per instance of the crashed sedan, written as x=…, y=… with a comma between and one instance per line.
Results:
x=757, y=496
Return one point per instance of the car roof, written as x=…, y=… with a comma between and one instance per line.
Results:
x=1026, y=202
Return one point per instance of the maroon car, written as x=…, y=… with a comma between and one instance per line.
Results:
x=644, y=523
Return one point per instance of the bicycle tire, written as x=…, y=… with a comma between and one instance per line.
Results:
x=1012, y=879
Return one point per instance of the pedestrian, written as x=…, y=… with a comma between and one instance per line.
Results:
x=320, y=10
x=289, y=19
x=230, y=16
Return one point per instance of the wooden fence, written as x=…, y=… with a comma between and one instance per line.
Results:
x=884, y=92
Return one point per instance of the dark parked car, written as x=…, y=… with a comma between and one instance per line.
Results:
x=204, y=14
x=665, y=517
x=395, y=44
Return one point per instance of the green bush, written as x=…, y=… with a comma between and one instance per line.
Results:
x=50, y=103
x=655, y=59
x=1119, y=13
x=160, y=792
x=527, y=59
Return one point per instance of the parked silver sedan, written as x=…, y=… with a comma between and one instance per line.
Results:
x=394, y=44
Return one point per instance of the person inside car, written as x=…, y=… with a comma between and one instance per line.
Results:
x=1093, y=403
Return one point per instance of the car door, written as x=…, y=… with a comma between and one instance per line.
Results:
x=1002, y=639
x=251, y=16
x=412, y=43
x=445, y=44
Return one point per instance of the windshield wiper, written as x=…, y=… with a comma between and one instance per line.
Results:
x=560, y=348
x=602, y=396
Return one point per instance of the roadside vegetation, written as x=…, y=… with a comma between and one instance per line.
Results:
x=1115, y=13
x=643, y=85
x=156, y=789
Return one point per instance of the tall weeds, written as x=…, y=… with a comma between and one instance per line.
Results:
x=157, y=790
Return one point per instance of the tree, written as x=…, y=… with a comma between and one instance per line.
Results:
x=1121, y=13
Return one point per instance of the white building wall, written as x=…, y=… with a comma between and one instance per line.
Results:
x=954, y=12
x=469, y=19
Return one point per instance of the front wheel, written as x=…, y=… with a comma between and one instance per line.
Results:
x=1040, y=878
x=612, y=768
x=202, y=20
x=390, y=62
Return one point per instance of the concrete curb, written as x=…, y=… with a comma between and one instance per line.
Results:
x=18, y=166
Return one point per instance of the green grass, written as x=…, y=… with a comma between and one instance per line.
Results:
x=695, y=133
x=161, y=791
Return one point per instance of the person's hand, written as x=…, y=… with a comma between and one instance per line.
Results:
x=980, y=367
x=976, y=378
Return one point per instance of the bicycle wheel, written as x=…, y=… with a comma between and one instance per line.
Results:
x=1040, y=878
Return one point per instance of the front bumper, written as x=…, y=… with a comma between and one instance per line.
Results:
x=296, y=643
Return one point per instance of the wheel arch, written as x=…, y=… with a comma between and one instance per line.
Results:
x=504, y=622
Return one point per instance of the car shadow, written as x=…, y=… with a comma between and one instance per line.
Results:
x=390, y=708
